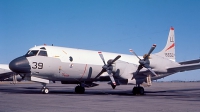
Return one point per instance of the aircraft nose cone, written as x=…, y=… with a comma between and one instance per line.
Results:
x=20, y=65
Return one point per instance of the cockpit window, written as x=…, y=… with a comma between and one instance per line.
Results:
x=42, y=53
x=27, y=52
x=31, y=53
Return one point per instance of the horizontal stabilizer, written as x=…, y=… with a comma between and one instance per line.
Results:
x=183, y=68
x=189, y=62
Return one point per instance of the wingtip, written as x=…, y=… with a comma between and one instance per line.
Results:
x=154, y=45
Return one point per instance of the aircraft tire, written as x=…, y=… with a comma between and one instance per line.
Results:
x=141, y=90
x=138, y=91
x=134, y=91
x=79, y=90
x=46, y=91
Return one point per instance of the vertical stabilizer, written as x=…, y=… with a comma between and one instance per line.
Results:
x=169, y=50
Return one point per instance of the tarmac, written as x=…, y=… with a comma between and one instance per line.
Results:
x=160, y=97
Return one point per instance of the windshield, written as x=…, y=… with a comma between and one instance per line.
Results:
x=31, y=53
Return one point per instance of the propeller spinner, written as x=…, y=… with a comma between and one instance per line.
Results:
x=145, y=61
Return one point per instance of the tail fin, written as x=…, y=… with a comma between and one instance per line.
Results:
x=169, y=50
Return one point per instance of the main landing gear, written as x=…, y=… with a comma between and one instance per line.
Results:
x=79, y=89
x=138, y=90
x=44, y=89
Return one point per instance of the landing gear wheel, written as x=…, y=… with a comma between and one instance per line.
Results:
x=141, y=90
x=45, y=90
x=134, y=91
x=79, y=89
x=138, y=90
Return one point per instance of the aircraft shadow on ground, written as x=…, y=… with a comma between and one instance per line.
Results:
x=193, y=93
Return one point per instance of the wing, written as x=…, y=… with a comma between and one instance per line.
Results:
x=144, y=73
x=186, y=67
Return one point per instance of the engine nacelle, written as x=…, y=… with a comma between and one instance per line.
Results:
x=124, y=69
x=124, y=73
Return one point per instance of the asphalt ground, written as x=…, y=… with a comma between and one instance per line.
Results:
x=160, y=97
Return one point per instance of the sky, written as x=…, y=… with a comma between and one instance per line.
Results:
x=102, y=25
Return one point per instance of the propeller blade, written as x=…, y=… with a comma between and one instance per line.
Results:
x=152, y=71
x=102, y=71
x=112, y=79
x=151, y=50
x=22, y=76
x=116, y=58
x=134, y=53
x=101, y=55
x=137, y=71
x=14, y=79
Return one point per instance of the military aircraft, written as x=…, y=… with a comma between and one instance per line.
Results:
x=83, y=67
x=7, y=75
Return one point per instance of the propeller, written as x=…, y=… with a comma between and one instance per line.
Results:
x=108, y=68
x=145, y=61
x=22, y=76
x=14, y=77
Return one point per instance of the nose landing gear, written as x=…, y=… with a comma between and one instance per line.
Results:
x=44, y=89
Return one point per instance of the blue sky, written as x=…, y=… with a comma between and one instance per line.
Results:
x=105, y=25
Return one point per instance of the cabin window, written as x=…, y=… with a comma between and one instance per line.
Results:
x=42, y=53
x=70, y=59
